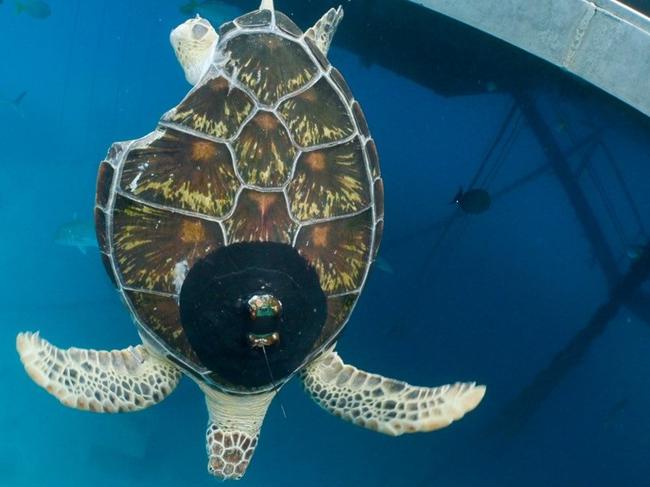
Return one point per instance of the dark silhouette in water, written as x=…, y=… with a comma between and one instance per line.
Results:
x=625, y=289
x=15, y=103
x=474, y=201
x=34, y=8
x=516, y=413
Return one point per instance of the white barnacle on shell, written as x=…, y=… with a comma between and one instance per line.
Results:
x=180, y=271
x=133, y=185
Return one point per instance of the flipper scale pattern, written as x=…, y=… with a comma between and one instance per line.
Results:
x=386, y=405
x=101, y=381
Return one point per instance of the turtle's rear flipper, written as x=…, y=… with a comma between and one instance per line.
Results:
x=100, y=381
x=233, y=429
x=386, y=405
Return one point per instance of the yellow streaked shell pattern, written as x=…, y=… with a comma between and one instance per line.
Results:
x=269, y=146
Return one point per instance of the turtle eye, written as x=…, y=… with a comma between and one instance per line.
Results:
x=198, y=31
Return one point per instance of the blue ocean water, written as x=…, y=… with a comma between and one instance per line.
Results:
x=497, y=297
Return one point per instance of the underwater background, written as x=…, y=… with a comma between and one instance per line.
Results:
x=527, y=296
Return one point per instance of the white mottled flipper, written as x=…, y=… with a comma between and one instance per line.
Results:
x=100, y=381
x=386, y=405
x=233, y=430
x=323, y=31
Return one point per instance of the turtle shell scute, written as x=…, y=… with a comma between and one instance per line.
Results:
x=341, y=84
x=101, y=230
x=260, y=216
x=317, y=116
x=287, y=25
x=320, y=57
x=104, y=182
x=258, y=18
x=360, y=119
x=153, y=247
x=373, y=158
x=264, y=151
x=339, y=250
x=182, y=171
x=268, y=65
x=330, y=182
x=160, y=314
x=215, y=108
x=379, y=233
x=378, y=190
x=225, y=28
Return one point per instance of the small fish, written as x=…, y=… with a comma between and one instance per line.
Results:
x=634, y=252
x=77, y=233
x=491, y=87
x=15, y=103
x=34, y=8
x=383, y=265
x=474, y=201
x=216, y=11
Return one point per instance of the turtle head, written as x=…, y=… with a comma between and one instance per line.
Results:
x=194, y=42
x=266, y=5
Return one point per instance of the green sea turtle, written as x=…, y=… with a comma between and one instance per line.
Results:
x=239, y=234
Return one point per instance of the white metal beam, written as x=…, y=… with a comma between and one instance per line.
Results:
x=601, y=41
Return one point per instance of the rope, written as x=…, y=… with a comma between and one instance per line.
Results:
x=607, y=203
x=504, y=126
x=506, y=147
x=507, y=130
x=626, y=190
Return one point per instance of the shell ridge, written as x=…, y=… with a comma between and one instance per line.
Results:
x=285, y=190
x=149, y=291
x=297, y=109
x=298, y=91
x=166, y=124
x=232, y=210
x=316, y=221
x=233, y=161
x=171, y=209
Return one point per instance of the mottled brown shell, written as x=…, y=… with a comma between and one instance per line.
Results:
x=269, y=146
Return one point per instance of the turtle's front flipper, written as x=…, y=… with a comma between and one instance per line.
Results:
x=323, y=31
x=100, y=381
x=233, y=429
x=386, y=405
